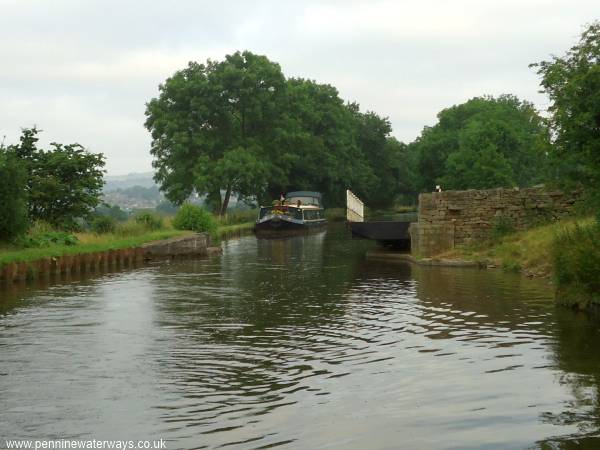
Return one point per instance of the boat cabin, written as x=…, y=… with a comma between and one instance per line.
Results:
x=298, y=205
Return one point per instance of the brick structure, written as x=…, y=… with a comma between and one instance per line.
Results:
x=451, y=218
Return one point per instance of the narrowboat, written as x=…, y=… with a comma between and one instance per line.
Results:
x=297, y=212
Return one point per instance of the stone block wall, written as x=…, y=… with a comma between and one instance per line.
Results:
x=451, y=218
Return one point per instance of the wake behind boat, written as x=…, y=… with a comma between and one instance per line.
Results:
x=298, y=212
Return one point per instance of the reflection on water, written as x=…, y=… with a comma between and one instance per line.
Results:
x=300, y=343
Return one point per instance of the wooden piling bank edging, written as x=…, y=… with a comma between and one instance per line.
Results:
x=66, y=265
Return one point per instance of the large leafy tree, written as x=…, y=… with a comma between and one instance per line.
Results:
x=238, y=126
x=484, y=143
x=386, y=158
x=217, y=127
x=572, y=82
x=63, y=183
x=13, y=196
x=321, y=139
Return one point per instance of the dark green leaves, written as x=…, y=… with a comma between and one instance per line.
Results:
x=62, y=184
x=238, y=126
x=484, y=143
x=573, y=84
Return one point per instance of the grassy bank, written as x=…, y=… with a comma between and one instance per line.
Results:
x=127, y=235
x=238, y=229
x=529, y=252
x=88, y=243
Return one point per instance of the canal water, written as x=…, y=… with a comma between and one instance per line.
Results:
x=300, y=343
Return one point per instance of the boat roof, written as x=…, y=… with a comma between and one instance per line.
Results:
x=303, y=194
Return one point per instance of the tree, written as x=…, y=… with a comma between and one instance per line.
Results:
x=573, y=84
x=239, y=126
x=320, y=140
x=209, y=120
x=13, y=196
x=63, y=184
x=113, y=211
x=484, y=143
x=478, y=163
x=385, y=157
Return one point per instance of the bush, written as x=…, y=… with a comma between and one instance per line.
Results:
x=103, y=225
x=502, y=226
x=13, y=201
x=335, y=214
x=113, y=211
x=237, y=216
x=130, y=228
x=194, y=218
x=149, y=221
x=576, y=258
x=46, y=239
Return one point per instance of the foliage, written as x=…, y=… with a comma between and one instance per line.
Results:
x=212, y=119
x=194, y=218
x=13, y=197
x=335, y=214
x=149, y=221
x=322, y=151
x=238, y=216
x=46, y=239
x=484, y=143
x=87, y=243
x=386, y=160
x=576, y=259
x=113, y=211
x=528, y=249
x=230, y=231
x=103, y=224
x=63, y=183
x=573, y=84
x=239, y=126
x=502, y=226
x=166, y=208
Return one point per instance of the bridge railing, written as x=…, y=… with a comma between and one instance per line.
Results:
x=355, y=208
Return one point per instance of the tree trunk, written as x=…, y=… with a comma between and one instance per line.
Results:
x=213, y=201
x=225, y=203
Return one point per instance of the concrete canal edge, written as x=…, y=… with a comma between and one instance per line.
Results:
x=385, y=254
x=195, y=245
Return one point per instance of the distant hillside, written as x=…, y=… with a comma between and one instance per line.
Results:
x=134, y=197
x=138, y=190
x=114, y=182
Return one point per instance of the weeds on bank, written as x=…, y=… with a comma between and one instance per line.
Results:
x=576, y=259
x=44, y=241
x=528, y=250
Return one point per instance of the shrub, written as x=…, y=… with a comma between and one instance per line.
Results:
x=130, y=228
x=239, y=216
x=46, y=239
x=502, y=226
x=103, y=224
x=576, y=258
x=194, y=218
x=149, y=221
x=13, y=201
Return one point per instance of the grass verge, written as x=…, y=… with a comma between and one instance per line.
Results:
x=88, y=243
x=529, y=251
x=228, y=231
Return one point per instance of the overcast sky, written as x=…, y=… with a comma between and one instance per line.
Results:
x=82, y=70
